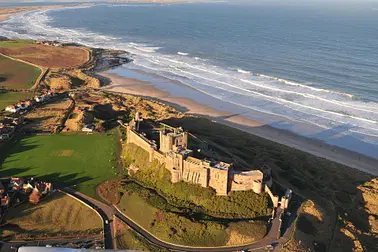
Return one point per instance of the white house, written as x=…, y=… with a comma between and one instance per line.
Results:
x=88, y=128
x=12, y=109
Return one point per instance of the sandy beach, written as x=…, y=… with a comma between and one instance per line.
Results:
x=6, y=12
x=186, y=105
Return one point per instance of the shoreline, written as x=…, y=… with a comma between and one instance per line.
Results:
x=236, y=120
x=7, y=12
x=315, y=147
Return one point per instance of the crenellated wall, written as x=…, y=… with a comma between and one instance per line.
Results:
x=137, y=139
x=184, y=167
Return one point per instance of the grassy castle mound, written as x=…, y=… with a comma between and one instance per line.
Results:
x=185, y=213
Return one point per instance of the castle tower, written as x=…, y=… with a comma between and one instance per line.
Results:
x=173, y=141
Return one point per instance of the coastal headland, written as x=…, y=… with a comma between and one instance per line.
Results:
x=81, y=111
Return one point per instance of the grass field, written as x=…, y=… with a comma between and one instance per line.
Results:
x=16, y=43
x=81, y=161
x=57, y=214
x=17, y=75
x=177, y=229
x=46, y=56
x=12, y=98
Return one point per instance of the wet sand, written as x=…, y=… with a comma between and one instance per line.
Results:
x=3, y=17
x=186, y=105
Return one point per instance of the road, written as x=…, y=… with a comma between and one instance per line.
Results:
x=107, y=212
x=102, y=209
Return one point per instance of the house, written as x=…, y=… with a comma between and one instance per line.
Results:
x=44, y=187
x=27, y=188
x=35, y=196
x=2, y=189
x=40, y=98
x=12, y=109
x=28, y=103
x=6, y=131
x=21, y=105
x=16, y=184
x=4, y=200
x=88, y=128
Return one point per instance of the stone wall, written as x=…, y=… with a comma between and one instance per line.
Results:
x=218, y=180
x=243, y=181
x=184, y=167
x=195, y=173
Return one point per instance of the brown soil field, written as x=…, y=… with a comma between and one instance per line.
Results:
x=17, y=75
x=49, y=56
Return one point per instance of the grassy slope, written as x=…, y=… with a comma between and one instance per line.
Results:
x=164, y=215
x=243, y=204
x=15, y=43
x=171, y=227
x=331, y=185
x=57, y=214
x=12, y=98
x=16, y=74
x=90, y=163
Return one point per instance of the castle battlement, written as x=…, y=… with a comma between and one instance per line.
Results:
x=173, y=152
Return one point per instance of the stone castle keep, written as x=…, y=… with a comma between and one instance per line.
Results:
x=173, y=151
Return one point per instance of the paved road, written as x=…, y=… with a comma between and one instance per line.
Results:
x=107, y=212
x=104, y=210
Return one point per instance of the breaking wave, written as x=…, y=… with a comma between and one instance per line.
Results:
x=243, y=71
x=323, y=108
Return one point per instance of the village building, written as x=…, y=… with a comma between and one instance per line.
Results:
x=4, y=200
x=39, y=191
x=12, y=109
x=16, y=184
x=171, y=149
x=2, y=189
x=6, y=131
x=27, y=188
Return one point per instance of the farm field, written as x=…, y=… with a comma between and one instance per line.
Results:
x=80, y=161
x=58, y=214
x=17, y=75
x=46, y=56
x=12, y=98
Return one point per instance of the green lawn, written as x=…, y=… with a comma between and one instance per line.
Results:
x=137, y=209
x=12, y=98
x=81, y=161
x=15, y=43
x=17, y=75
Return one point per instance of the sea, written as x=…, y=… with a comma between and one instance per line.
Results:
x=310, y=67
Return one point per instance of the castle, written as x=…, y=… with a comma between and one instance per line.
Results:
x=171, y=148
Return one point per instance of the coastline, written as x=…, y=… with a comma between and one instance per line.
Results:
x=7, y=12
x=235, y=120
x=318, y=148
